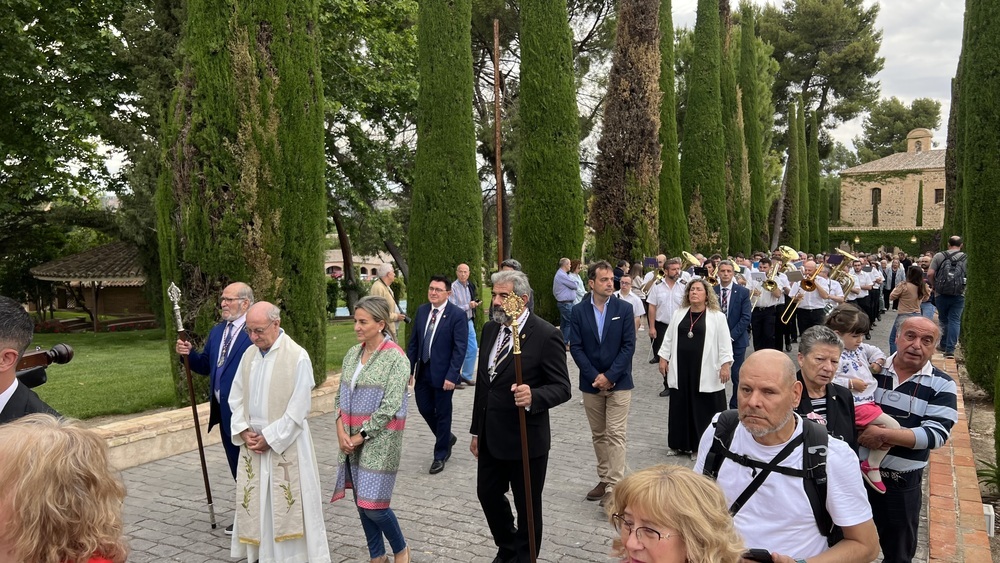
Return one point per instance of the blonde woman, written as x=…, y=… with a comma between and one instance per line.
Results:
x=670, y=514
x=696, y=356
x=61, y=502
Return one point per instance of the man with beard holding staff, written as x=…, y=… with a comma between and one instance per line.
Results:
x=495, y=430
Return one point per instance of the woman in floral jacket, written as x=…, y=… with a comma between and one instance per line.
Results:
x=371, y=414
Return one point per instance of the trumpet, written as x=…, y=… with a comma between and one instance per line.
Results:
x=788, y=255
x=808, y=284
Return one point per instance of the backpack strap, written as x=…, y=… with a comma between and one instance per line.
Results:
x=766, y=470
x=725, y=425
x=814, y=482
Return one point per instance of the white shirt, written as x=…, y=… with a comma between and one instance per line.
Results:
x=7, y=394
x=778, y=516
x=766, y=299
x=637, y=307
x=667, y=299
x=811, y=299
x=437, y=321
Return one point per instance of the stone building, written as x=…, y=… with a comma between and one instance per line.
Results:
x=884, y=194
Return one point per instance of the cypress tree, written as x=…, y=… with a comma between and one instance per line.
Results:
x=815, y=219
x=737, y=179
x=981, y=184
x=626, y=185
x=673, y=230
x=549, y=198
x=446, y=219
x=748, y=80
x=824, y=219
x=702, y=171
x=920, y=204
x=803, y=162
x=242, y=193
x=954, y=202
x=790, y=226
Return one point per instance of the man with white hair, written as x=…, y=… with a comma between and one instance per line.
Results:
x=383, y=288
x=279, y=510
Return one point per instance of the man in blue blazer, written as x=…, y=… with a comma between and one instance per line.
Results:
x=602, y=342
x=438, y=340
x=220, y=359
x=735, y=302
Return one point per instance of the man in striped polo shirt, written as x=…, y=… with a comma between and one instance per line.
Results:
x=922, y=399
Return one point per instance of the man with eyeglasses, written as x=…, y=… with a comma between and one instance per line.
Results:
x=436, y=350
x=761, y=472
x=219, y=359
x=923, y=400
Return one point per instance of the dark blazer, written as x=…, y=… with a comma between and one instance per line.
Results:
x=543, y=368
x=451, y=339
x=23, y=402
x=738, y=315
x=613, y=355
x=839, y=412
x=204, y=363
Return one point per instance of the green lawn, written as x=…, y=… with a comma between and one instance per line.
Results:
x=129, y=372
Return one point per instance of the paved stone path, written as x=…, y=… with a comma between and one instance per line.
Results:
x=166, y=517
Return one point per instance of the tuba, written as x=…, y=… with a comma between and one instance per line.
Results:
x=839, y=272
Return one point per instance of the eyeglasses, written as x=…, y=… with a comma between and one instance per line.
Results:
x=257, y=331
x=642, y=533
x=436, y=290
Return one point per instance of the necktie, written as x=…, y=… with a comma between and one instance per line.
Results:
x=425, y=356
x=226, y=341
x=502, y=352
x=725, y=300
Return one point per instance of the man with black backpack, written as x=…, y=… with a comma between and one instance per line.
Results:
x=947, y=277
x=793, y=490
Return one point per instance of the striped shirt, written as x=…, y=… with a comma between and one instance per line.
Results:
x=925, y=403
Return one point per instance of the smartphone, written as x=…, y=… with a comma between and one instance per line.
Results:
x=760, y=555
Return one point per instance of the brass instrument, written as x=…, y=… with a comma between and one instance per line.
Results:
x=788, y=255
x=690, y=260
x=808, y=284
x=652, y=281
x=840, y=273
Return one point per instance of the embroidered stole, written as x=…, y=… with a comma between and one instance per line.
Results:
x=286, y=495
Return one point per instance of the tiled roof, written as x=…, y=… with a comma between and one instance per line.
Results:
x=901, y=161
x=114, y=264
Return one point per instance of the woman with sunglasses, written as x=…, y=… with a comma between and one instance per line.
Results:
x=670, y=514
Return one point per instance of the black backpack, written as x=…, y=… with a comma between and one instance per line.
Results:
x=814, y=440
x=949, y=278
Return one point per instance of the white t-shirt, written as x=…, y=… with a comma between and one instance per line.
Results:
x=667, y=299
x=778, y=516
x=637, y=307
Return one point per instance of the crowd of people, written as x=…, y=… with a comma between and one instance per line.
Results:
x=819, y=463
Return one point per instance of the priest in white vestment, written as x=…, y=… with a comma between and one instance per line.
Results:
x=279, y=514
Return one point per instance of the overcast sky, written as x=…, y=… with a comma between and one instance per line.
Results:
x=921, y=40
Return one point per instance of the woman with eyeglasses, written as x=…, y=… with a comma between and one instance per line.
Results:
x=670, y=514
x=371, y=414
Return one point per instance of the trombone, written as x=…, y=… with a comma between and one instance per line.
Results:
x=652, y=281
x=808, y=284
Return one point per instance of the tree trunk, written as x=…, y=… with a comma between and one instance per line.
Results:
x=349, y=282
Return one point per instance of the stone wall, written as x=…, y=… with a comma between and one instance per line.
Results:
x=898, y=208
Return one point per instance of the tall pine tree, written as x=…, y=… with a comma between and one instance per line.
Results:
x=242, y=193
x=981, y=185
x=815, y=205
x=549, y=198
x=790, y=225
x=737, y=179
x=748, y=81
x=803, y=154
x=703, y=154
x=626, y=187
x=446, y=219
x=674, y=236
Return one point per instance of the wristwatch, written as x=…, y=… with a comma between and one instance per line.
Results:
x=364, y=435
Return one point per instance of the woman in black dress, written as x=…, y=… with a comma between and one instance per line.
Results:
x=696, y=357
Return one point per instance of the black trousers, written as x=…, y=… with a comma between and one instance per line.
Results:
x=808, y=318
x=661, y=331
x=784, y=333
x=897, y=514
x=762, y=325
x=493, y=479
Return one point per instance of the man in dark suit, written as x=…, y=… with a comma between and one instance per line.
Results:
x=602, y=344
x=220, y=359
x=496, y=440
x=436, y=351
x=16, y=331
x=735, y=302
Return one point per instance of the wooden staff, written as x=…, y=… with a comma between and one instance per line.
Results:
x=513, y=306
x=498, y=168
x=175, y=295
